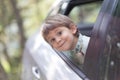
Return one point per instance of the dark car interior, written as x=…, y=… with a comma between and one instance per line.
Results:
x=85, y=29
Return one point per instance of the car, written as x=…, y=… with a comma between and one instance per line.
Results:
x=98, y=19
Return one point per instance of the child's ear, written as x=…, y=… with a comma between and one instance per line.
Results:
x=73, y=28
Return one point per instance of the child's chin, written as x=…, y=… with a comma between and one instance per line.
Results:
x=64, y=49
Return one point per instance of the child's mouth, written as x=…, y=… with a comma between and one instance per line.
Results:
x=62, y=44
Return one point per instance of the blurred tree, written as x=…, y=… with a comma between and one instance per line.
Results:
x=27, y=14
x=19, y=22
x=4, y=21
x=2, y=74
x=8, y=9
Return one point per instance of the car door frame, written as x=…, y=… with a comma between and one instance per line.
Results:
x=97, y=41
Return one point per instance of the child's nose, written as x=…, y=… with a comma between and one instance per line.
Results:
x=58, y=40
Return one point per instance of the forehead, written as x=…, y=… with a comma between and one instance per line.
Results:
x=57, y=29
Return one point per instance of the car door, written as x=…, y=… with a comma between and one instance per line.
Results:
x=40, y=61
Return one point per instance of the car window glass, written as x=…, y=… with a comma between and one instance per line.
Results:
x=84, y=14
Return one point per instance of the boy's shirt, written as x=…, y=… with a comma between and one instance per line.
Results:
x=81, y=46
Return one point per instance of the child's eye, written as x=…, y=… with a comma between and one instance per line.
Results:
x=52, y=40
x=59, y=33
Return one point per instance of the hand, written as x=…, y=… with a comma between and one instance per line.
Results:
x=79, y=58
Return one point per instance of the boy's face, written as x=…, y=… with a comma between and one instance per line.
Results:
x=62, y=38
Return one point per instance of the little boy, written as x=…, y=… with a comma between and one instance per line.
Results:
x=63, y=35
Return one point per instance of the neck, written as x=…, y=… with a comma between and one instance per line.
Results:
x=74, y=43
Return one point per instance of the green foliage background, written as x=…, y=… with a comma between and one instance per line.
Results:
x=27, y=13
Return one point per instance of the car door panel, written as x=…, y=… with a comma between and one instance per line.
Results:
x=50, y=65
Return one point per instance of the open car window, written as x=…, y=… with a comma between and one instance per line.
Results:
x=84, y=16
